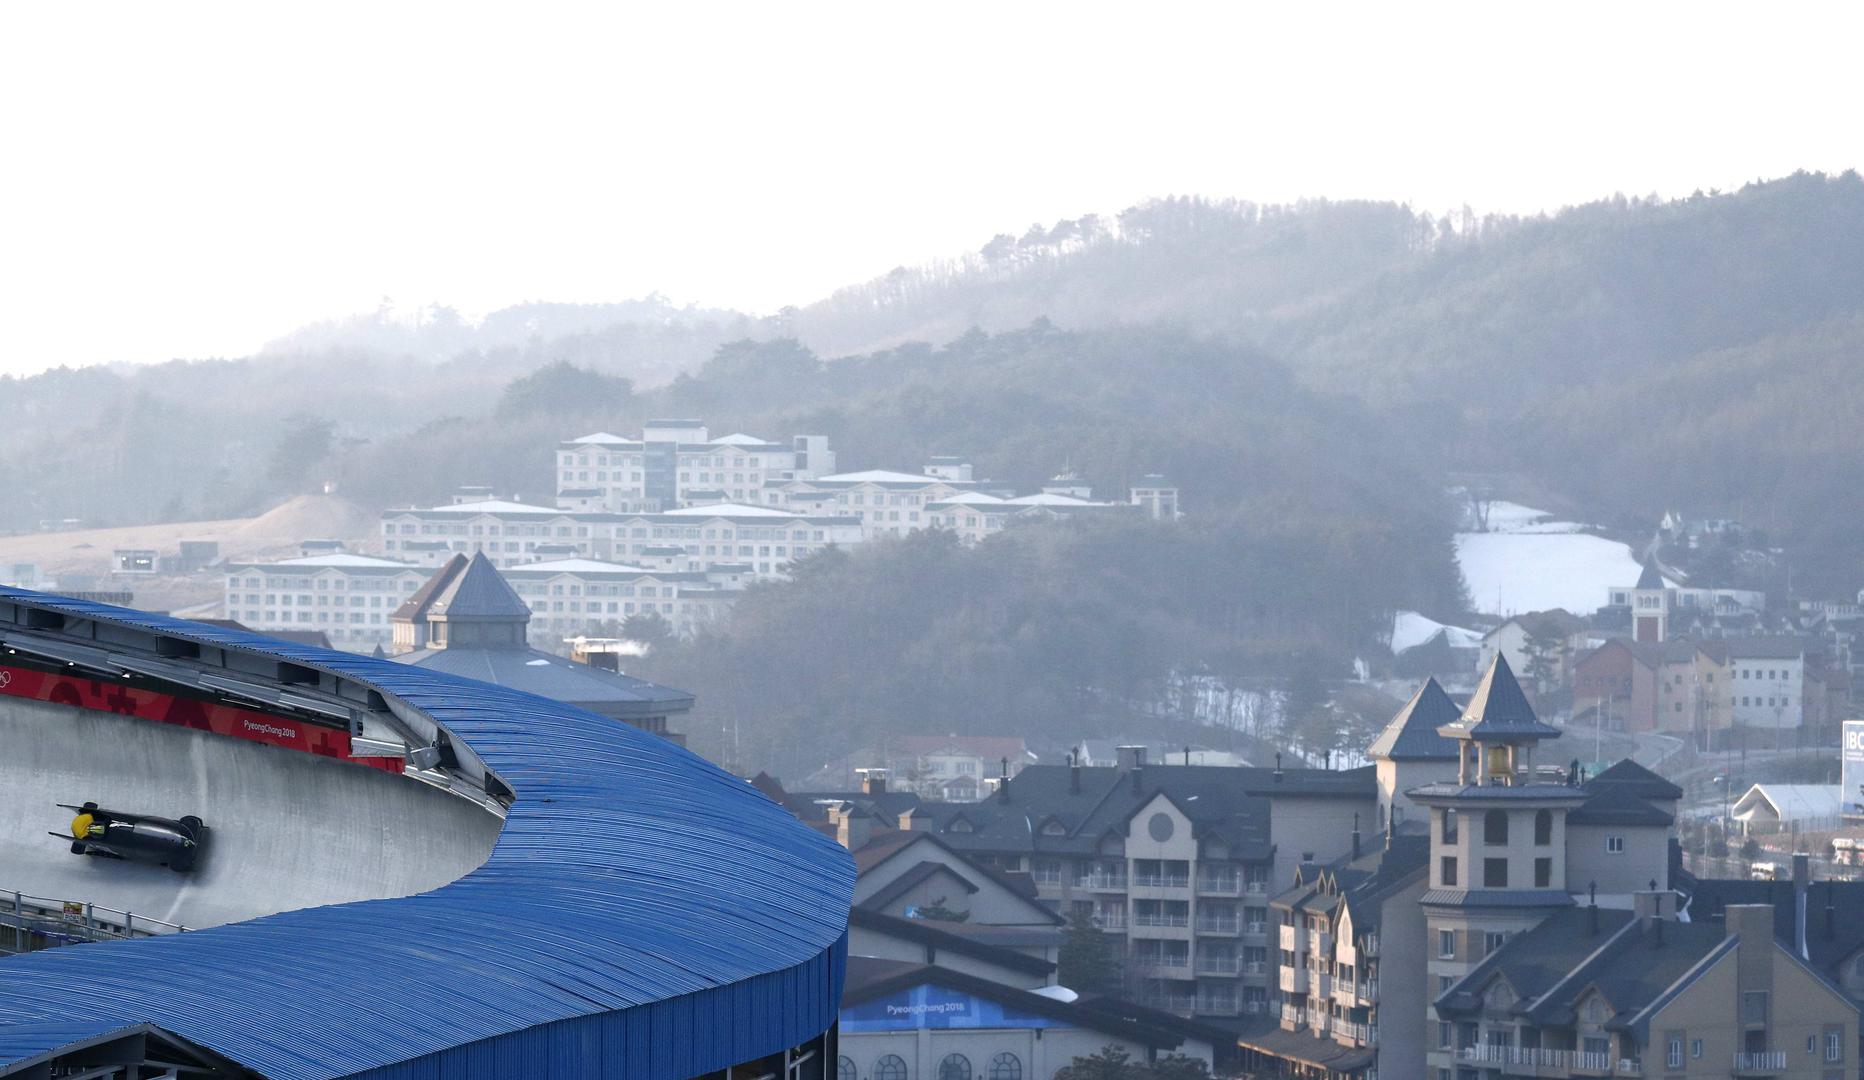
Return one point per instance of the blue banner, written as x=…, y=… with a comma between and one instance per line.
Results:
x=929, y=1006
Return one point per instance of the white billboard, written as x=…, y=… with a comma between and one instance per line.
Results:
x=1851, y=770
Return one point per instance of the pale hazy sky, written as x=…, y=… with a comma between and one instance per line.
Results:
x=192, y=180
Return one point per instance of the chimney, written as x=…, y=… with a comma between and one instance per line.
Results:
x=1308, y=866
x=1187, y=753
x=1802, y=877
x=1355, y=834
x=1592, y=907
x=853, y=827
x=1278, y=766
x=873, y=781
x=1074, y=775
x=1652, y=907
x=1003, y=785
x=1752, y=923
x=1131, y=757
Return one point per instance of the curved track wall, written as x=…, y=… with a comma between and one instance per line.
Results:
x=643, y=914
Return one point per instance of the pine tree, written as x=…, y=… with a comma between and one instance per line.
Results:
x=1088, y=964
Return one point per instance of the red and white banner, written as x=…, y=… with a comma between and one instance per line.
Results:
x=186, y=712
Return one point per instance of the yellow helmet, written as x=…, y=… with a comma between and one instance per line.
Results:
x=81, y=826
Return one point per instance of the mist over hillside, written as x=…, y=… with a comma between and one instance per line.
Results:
x=1632, y=354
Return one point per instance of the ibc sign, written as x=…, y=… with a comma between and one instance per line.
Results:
x=1851, y=770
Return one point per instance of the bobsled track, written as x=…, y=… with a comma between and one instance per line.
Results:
x=493, y=885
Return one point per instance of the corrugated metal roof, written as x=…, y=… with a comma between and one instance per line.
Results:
x=644, y=914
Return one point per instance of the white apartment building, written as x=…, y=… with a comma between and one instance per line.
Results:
x=1767, y=681
x=759, y=540
x=575, y=596
x=675, y=463
x=349, y=597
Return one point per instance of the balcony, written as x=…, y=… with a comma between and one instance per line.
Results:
x=1256, y=887
x=1255, y=929
x=1290, y=937
x=1169, y=1002
x=1529, y=1059
x=1293, y=1015
x=1159, y=918
x=1101, y=882
x=1220, y=884
x=1217, y=924
x=1760, y=1063
x=1293, y=980
x=1162, y=966
x=1161, y=881
x=1353, y=1033
x=1228, y=966
x=1217, y=1005
x=1256, y=967
x=1114, y=921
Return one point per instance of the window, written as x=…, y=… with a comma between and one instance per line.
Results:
x=844, y=1068
x=1446, y=944
x=1445, y=1033
x=1006, y=1066
x=1695, y=1048
x=1495, y=827
x=1449, y=871
x=1495, y=873
x=1543, y=828
x=1543, y=873
x=1493, y=940
x=1673, y=1053
x=954, y=1067
x=890, y=1067
x=1614, y=845
x=1447, y=826
x=1834, y=1046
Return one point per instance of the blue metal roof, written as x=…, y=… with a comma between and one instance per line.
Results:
x=643, y=914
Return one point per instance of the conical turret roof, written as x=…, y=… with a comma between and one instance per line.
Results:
x=1652, y=577
x=1412, y=734
x=479, y=593
x=1499, y=710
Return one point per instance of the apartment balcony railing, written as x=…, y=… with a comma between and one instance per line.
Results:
x=1103, y=882
x=1047, y=877
x=1219, y=965
x=1369, y=945
x=1256, y=967
x=1256, y=886
x=1217, y=1005
x=1256, y=929
x=1293, y=980
x=1110, y=920
x=1165, y=965
x=1141, y=918
x=1162, y=881
x=1255, y=1008
x=1220, y=884
x=1178, y=1003
x=1290, y=937
x=1356, y=1033
x=1761, y=1062
x=1533, y=1057
x=1217, y=924
x=1294, y=1014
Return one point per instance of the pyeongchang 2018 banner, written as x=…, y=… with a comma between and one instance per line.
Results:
x=931, y=1006
x=211, y=716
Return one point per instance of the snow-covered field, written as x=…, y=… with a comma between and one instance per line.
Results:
x=1529, y=562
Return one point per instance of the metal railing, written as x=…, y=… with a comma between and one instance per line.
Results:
x=1761, y=1061
x=1541, y=1057
x=1216, y=924
x=1162, y=881
x=1100, y=881
x=1219, y=965
x=1143, y=918
x=53, y=921
x=1227, y=884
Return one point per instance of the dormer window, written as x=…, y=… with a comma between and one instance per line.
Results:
x=960, y=825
